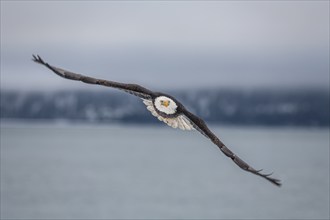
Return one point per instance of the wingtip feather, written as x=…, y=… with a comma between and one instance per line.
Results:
x=275, y=181
x=37, y=59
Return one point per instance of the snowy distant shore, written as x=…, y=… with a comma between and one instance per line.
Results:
x=257, y=107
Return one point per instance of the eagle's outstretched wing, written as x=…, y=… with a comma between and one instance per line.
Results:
x=200, y=125
x=133, y=89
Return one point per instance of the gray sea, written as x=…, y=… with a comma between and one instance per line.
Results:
x=81, y=171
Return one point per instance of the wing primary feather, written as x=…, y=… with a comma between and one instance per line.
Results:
x=200, y=125
x=243, y=165
x=133, y=89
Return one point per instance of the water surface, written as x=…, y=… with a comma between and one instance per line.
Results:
x=111, y=171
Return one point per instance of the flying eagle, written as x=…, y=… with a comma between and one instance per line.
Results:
x=166, y=108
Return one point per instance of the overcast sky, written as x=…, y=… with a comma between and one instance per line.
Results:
x=166, y=44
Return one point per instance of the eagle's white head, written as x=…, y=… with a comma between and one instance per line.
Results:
x=163, y=104
x=166, y=105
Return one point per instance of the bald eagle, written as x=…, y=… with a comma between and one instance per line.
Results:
x=166, y=108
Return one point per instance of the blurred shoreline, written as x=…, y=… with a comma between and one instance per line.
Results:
x=282, y=108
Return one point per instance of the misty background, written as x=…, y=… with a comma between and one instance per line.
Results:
x=254, y=49
x=257, y=72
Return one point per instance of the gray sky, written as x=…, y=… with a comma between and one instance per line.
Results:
x=167, y=45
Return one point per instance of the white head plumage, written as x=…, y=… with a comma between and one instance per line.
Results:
x=165, y=105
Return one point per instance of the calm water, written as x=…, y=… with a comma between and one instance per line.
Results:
x=84, y=171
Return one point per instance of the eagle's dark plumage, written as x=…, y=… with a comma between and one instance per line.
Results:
x=166, y=108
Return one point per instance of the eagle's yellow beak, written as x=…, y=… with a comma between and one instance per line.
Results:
x=165, y=103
